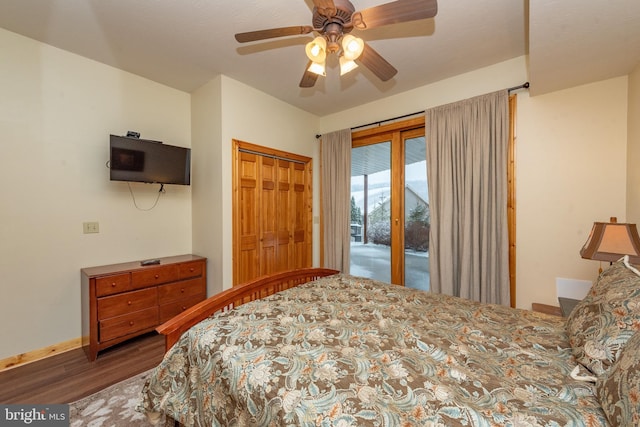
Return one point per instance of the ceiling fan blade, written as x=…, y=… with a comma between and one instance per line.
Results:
x=394, y=12
x=308, y=78
x=325, y=7
x=376, y=63
x=252, y=36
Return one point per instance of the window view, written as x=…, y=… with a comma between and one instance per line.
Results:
x=375, y=199
x=370, y=211
x=417, y=218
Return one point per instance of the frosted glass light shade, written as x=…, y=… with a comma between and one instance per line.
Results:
x=317, y=68
x=352, y=47
x=316, y=49
x=346, y=65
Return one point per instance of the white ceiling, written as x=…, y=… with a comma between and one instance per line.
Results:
x=186, y=43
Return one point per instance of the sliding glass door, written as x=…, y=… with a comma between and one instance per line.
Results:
x=389, y=205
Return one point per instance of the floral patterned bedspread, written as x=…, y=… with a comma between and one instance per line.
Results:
x=347, y=351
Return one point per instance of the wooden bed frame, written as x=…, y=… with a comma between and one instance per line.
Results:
x=236, y=296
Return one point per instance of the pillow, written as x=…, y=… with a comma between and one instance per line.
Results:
x=619, y=392
x=601, y=324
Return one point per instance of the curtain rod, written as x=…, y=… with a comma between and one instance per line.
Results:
x=382, y=121
x=525, y=85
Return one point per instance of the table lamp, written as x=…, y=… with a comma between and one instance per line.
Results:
x=610, y=241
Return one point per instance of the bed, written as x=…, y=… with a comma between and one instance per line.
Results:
x=315, y=348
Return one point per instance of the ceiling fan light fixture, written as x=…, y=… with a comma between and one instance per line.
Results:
x=346, y=65
x=317, y=68
x=317, y=49
x=333, y=20
x=352, y=47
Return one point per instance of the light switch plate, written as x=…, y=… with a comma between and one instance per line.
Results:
x=90, y=227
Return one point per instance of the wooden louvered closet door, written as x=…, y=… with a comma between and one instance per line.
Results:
x=271, y=213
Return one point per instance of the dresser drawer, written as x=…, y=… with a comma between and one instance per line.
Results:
x=127, y=324
x=191, y=269
x=115, y=284
x=154, y=276
x=179, y=290
x=128, y=302
x=167, y=311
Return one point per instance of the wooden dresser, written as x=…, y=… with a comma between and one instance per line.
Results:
x=121, y=301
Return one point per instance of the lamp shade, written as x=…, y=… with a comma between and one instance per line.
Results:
x=317, y=49
x=317, y=68
x=610, y=241
x=352, y=47
x=346, y=65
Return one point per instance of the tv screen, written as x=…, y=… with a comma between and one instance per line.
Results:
x=143, y=160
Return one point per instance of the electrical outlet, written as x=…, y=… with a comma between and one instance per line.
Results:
x=90, y=227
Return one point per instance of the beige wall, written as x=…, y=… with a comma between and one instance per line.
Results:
x=496, y=77
x=571, y=171
x=56, y=113
x=251, y=116
x=633, y=148
x=206, y=128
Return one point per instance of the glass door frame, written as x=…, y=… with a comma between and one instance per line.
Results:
x=395, y=133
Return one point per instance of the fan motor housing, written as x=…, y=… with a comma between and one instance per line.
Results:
x=344, y=10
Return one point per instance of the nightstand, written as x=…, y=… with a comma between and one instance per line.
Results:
x=567, y=305
x=547, y=309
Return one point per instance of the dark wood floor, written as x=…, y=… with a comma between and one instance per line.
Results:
x=69, y=376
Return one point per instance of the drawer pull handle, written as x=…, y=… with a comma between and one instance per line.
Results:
x=182, y=290
x=131, y=323
x=157, y=275
x=184, y=308
x=129, y=302
x=192, y=269
x=113, y=285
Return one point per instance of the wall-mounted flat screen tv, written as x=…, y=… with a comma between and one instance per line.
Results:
x=143, y=160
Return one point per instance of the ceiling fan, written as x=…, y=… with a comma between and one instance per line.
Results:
x=333, y=20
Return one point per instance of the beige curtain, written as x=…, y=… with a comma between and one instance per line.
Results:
x=335, y=159
x=467, y=145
